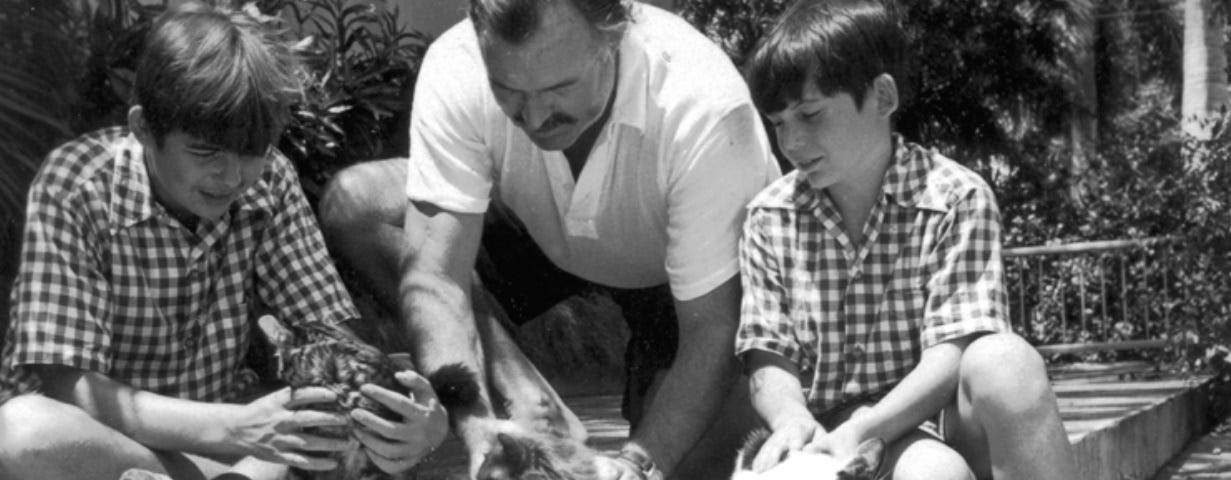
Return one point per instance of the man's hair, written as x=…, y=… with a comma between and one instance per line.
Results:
x=841, y=45
x=514, y=21
x=216, y=74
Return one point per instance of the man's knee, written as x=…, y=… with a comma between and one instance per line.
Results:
x=1003, y=371
x=362, y=195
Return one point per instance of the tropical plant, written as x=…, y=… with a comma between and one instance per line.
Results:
x=361, y=65
x=34, y=47
x=59, y=59
x=993, y=83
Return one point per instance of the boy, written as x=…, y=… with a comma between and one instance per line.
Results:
x=872, y=272
x=146, y=252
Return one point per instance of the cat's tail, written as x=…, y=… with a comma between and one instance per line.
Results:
x=457, y=387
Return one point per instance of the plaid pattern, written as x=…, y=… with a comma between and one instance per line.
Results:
x=856, y=320
x=110, y=283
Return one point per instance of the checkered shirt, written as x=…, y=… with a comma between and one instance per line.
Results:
x=855, y=320
x=109, y=282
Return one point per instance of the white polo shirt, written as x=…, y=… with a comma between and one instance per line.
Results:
x=661, y=197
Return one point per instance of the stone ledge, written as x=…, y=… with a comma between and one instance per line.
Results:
x=1124, y=430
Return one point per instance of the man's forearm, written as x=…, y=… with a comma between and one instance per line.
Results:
x=698, y=382
x=692, y=392
x=442, y=328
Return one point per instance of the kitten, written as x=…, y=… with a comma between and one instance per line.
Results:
x=810, y=465
x=519, y=454
x=326, y=355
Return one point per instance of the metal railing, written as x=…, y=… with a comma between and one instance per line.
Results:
x=1084, y=300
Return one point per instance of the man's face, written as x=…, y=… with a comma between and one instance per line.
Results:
x=556, y=83
x=194, y=178
x=829, y=138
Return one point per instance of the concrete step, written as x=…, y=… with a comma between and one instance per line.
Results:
x=1120, y=429
x=1129, y=429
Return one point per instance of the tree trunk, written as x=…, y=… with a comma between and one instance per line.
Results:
x=1083, y=115
x=1205, y=62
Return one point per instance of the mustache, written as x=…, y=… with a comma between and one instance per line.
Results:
x=553, y=121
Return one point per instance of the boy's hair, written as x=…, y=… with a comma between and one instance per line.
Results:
x=514, y=21
x=216, y=74
x=841, y=45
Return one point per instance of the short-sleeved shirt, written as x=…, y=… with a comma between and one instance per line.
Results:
x=109, y=282
x=662, y=194
x=856, y=320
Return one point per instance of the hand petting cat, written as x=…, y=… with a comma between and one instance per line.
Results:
x=395, y=446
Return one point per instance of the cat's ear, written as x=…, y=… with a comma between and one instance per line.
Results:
x=507, y=463
x=515, y=449
x=866, y=462
x=274, y=331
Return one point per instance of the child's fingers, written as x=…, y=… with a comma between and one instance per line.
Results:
x=771, y=453
x=300, y=397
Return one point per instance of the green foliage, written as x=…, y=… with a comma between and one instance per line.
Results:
x=991, y=91
x=60, y=63
x=359, y=76
x=1150, y=181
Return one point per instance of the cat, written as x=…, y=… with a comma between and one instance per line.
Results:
x=519, y=453
x=320, y=354
x=806, y=465
x=327, y=355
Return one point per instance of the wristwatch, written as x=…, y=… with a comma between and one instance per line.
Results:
x=643, y=463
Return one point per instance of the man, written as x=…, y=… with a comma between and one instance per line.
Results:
x=560, y=146
x=147, y=251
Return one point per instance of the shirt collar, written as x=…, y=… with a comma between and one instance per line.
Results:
x=906, y=180
x=133, y=200
x=632, y=72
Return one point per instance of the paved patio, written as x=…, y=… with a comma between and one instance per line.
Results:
x=1121, y=429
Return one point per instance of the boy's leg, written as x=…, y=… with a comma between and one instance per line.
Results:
x=918, y=455
x=1006, y=422
x=46, y=439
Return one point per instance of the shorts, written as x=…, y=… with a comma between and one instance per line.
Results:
x=830, y=419
x=526, y=283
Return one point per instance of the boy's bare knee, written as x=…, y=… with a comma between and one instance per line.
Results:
x=29, y=420
x=926, y=458
x=32, y=427
x=1004, y=371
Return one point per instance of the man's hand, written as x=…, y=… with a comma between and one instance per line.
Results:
x=611, y=468
x=396, y=446
x=271, y=428
x=789, y=436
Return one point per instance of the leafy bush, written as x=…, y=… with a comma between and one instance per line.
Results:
x=361, y=65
